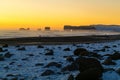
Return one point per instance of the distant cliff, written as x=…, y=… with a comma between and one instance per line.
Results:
x=22, y=29
x=107, y=27
x=68, y=27
x=94, y=27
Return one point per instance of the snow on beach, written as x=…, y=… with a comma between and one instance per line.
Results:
x=30, y=62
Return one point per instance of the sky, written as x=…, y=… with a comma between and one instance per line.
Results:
x=57, y=13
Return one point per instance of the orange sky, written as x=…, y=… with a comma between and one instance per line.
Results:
x=57, y=13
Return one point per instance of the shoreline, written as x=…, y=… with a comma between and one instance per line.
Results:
x=59, y=40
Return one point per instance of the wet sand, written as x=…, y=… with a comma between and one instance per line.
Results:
x=59, y=40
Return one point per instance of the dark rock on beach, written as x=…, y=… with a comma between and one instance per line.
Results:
x=5, y=45
x=114, y=45
x=30, y=54
x=108, y=69
x=39, y=64
x=106, y=47
x=8, y=55
x=15, y=78
x=22, y=49
x=67, y=49
x=70, y=59
x=6, y=67
x=109, y=61
x=53, y=64
x=1, y=57
x=70, y=77
x=90, y=69
x=1, y=50
x=71, y=67
x=47, y=73
x=40, y=46
x=11, y=63
x=49, y=52
x=10, y=75
x=118, y=71
x=90, y=74
x=103, y=50
x=115, y=56
x=95, y=55
x=3, y=78
x=81, y=52
x=86, y=63
x=17, y=46
x=25, y=59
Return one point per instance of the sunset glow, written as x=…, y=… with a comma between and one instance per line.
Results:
x=57, y=13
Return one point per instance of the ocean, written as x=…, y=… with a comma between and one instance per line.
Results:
x=33, y=33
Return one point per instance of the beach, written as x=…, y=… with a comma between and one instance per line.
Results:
x=58, y=62
x=60, y=40
x=58, y=58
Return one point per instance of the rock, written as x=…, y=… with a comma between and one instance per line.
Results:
x=30, y=54
x=118, y=71
x=17, y=46
x=103, y=50
x=109, y=61
x=95, y=55
x=114, y=45
x=106, y=47
x=19, y=65
x=1, y=57
x=1, y=50
x=115, y=56
x=65, y=56
x=107, y=54
x=40, y=46
x=71, y=77
x=89, y=74
x=22, y=49
x=67, y=49
x=10, y=75
x=81, y=52
x=3, y=78
x=59, y=47
x=22, y=79
x=108, y=69
x=52, y=58
x=90, y=69
x=45, y=59
x=71, y=67
x=25, y=59
x=53, y=64
x=11, y=63
x=8, y=55
x=5, y=50
x=70, y=59
x=74, y=44
x=87, y=63
x=15, y=78
x=5, y=45
x=39, y=64
x=49, y=52
x=47, y=72
x=6, y=67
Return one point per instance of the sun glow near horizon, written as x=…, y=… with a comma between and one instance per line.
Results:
x=57, y=13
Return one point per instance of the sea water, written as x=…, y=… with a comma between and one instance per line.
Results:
x=33, y=33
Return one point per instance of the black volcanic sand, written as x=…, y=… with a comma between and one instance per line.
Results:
x=60, y=40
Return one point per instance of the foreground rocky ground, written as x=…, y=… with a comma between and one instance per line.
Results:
x=90, y=61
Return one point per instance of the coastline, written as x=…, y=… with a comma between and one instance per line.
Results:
x=59, y=40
